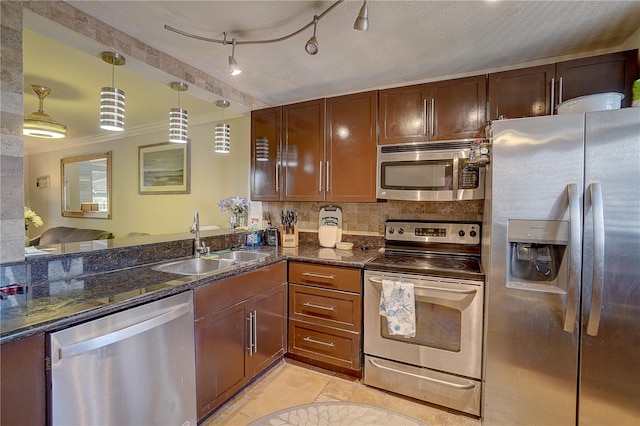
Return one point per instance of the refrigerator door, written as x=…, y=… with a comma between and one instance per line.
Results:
x=610, y=358
x=531, y=362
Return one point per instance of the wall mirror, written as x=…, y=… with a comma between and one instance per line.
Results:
x=86, y=186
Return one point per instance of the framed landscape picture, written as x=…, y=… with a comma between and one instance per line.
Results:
x=164, y=168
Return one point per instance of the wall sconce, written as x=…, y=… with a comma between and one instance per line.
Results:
x=222, y=139
x=178, y=117
x=39, y=124
x=111, y=98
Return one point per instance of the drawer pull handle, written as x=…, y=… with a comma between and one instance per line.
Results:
x=311, y=305
x=314, y=275
x=430, y=379
x=310, y=340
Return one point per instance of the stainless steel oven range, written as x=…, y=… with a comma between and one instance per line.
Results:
x=441, y=361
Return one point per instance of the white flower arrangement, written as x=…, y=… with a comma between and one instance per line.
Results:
x=236, y=205
x=31, y=217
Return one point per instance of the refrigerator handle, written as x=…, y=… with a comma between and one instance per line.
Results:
x=574, y=257
x=597, y=210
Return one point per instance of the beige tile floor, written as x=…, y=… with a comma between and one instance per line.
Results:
x=291, y=383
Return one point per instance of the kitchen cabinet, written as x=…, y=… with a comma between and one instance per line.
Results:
x=442, y=110
x=303, y=151
x=350, y=158
x=22, y=383
x=325, y=315
x=534, y=91
x=240, y=330
x=266, y=133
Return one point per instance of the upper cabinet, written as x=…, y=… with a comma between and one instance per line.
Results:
x=351, y=147
x=533, y=91
x=443, y=110
x=265, y=150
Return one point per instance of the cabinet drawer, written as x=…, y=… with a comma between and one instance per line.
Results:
x=333, y=277
x=325, y=307
x=336, y=347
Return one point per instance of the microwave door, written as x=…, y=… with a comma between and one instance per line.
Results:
x=417, y=180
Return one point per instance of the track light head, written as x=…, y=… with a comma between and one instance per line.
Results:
x=312, y=45
x=234, y=68
x=362, y=21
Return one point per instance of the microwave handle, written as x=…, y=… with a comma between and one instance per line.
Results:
x=455, y=183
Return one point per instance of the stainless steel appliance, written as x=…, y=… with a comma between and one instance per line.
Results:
x=432, y=171
x=135, y=367
x=442, y=363
x=563, y=281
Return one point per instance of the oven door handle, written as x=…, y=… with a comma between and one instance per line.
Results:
x=424, y=287
x=430, y=379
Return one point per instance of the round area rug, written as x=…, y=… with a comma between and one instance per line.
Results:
x=335, y=413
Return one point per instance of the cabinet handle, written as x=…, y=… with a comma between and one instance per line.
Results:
x=310, y=340
x=424, y=116
x=314, y=275
x=320, y=177
x=433, y=114
x=311, y=305
x=277, y=177
x=560, y=91
x=328, y=165
x=553, y=94
x=255, y=332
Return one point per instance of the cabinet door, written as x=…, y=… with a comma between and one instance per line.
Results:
x=269, y=328
x=303, y=157
x=521, y=93
x=351, y=147
x=613, y=72
x=265, y=150
x=403, y=115
x=458, y=108
x=220, y=356
x=22, y=384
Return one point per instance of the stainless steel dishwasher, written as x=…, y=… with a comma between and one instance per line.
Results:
x=135, y=367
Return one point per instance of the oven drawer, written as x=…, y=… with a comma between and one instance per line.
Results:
x=329, y=345
x=325, y=307
x=421, y=383
x=325, y=276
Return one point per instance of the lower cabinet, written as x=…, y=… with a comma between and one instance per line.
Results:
x=240, y=330
x=325, y=315
x=23, y=395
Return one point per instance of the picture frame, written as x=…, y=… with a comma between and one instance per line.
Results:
x=42, y=182
x=164, y=168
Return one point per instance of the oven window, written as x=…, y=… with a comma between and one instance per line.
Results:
x=437, y=326
x=417, y=175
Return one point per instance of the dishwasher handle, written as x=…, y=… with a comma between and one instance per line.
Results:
x=84, y=346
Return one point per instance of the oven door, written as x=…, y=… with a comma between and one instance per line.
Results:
x=449, y=317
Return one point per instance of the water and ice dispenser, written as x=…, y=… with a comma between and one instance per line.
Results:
x=537, y=255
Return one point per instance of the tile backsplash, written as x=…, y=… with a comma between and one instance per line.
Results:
x=369, y=218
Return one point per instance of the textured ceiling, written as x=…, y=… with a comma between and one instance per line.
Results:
x=407, y=41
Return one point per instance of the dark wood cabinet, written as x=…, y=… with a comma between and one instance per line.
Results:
x=443, y=110
x=533, y=91
x=325, y=315
x=614, y=72
x=519, y=93
x=240, y=330
x=266, y=133
x=303, y=153
x=23, y=395
x=350, y=156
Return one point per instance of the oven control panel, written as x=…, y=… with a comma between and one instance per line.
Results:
x=432, y=232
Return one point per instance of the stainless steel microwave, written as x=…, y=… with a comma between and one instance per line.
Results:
x=428, y=171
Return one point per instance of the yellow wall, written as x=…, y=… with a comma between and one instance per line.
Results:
x=213, y=176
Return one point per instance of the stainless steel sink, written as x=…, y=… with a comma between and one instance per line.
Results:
x=196, y=266
x=243, y=256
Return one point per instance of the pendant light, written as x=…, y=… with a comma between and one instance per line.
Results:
x=222, y=139
x=40, y=124
x=178, y=117
x=262, y=149
x=111, y=98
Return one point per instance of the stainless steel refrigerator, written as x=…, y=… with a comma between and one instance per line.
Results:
x=561, y=248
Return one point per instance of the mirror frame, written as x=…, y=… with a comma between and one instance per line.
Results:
x=86, y=214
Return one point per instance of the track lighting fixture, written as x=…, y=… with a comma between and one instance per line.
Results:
x=39, y=124
x=112, y=98
x=362, y=21
x=222, y=137
x=178, y=117
x=362, y=24
x=312, y=45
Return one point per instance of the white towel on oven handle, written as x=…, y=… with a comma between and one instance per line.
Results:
x=398, y=305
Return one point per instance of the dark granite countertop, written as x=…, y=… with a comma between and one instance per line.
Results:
x=70, y=300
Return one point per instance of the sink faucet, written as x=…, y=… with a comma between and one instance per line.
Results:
x=195, y=229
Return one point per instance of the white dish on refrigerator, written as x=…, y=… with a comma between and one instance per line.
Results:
x=588, y=103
